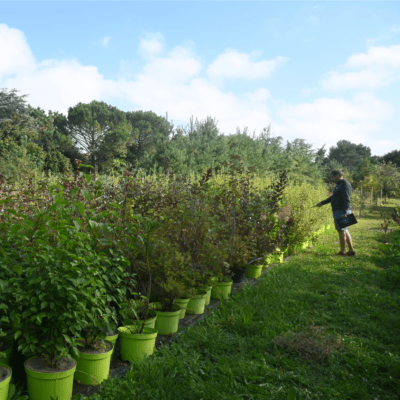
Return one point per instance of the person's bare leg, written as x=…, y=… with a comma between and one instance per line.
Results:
x=342, y=241
x=349, y=241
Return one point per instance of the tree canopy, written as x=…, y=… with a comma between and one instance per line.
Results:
x=112, y=140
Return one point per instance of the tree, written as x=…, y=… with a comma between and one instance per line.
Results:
x=393, y=156
x=366, y=168
x=19, y=154
x=10, y=103
x=348, y=154
x=53, y=142
x=389, y=179
x=99, y=130
x=151, y=138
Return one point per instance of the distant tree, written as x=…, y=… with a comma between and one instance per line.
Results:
x=99, y=130
x=19, y=154
x=197, y=147
x=389, y=179
x=10, y=103
x=365, y=168
x=151, y=135
x=393, y=156
x=348, y=154
x=320, y=156
x=52, y=141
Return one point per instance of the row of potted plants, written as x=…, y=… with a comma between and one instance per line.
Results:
x=75, y=275
x=142, y=322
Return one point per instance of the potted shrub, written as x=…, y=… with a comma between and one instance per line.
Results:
x=138, y=312
x=170, y=280
x=61, y=277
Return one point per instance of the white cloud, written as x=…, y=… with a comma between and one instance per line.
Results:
x=105, y=41
x=379, y=67
x=327, y=120
x=152, y=45
x=236, y=65
x=382, y=56
x=16, y=55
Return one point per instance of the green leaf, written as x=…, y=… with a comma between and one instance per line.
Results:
x=34, y=300
x=15, y=228
x=17, y=335
x=77, y=226
x=88, y=178
x=74, y=192
x=40, y=316
x=44, y=305
x=80, y=207
x=85, y=194
x=59, y=347
x=67, y=338
x=104, y=242
x=93, y=224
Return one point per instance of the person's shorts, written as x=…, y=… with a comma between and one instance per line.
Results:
x=336, y=216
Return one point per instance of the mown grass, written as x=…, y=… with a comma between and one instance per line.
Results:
x=318, y=326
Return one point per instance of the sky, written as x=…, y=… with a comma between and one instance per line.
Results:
x=319, y=71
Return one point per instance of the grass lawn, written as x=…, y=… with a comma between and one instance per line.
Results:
x=318, y=326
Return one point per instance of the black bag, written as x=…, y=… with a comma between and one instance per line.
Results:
x=345, y=222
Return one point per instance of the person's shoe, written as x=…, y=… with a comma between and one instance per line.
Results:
x=341, y=254
x=351, y=253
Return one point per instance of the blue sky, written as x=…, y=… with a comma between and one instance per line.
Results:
x=319, y=71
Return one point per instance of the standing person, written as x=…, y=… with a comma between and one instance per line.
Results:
x=340, y=203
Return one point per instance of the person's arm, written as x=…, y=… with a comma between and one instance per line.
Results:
x=321, y=203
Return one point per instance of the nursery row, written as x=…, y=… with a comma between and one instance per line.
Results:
x=141, y=323
x=80, y=261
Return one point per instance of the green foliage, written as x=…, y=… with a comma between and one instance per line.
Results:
x=348, y=154
x=393, y=157
x=298, y=205
x=63, y=286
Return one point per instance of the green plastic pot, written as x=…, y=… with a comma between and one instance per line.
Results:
x=253, y=271
x=4, y=385
x=44, y=385
x=113, y=340
x=208, y=297
x=6, y=360
x=196, y=304
x=278, y=258
x=221, y=290
x=167, y=322
x=150, y=322
x=182, y=303
x=92, y=369
x=135, y=347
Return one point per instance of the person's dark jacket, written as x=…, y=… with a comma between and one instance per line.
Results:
x=340, y=199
